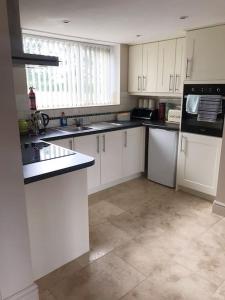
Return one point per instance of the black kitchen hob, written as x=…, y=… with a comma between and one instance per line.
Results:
x=41, y=151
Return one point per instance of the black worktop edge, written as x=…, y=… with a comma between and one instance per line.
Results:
x=47, y=175
x=165, y=126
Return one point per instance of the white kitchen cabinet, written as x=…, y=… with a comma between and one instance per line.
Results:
x=150, y=67
x=166, y=64
x=111, y=156
x=205, y=54
x=135, y=68
x=66, y=143
x=90, y=145
x=133, y=151
x=198, y=162
x=118, y=154
x=179, y=66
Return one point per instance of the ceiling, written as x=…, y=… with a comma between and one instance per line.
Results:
x=120, y=20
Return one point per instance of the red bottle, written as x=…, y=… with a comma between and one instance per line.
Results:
x=161, y=112
x=32, y=99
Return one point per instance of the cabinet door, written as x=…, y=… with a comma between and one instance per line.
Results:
x=198, y=163
x=150, y=67
x=135, y=68
x=205, y=54
x=111, y=156
x=90, y=145
x=133, y=151
x=66, y=143
x=166, y=64
x=179, y=65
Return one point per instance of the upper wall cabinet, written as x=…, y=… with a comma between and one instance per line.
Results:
x=135, y=68
x=166, y=65
x=206, y=54
x=157, y=68
x=150, y=67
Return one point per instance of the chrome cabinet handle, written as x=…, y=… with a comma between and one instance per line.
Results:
x=176, y=81
x=139, y=77
x=144, y=83
x=71, y=144
x=98, y=143
x=125, y=139
x=183, y=144
x=171, y=77
x=103, y=138
x=187, y=67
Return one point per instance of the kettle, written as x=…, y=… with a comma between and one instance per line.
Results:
x=40, y=121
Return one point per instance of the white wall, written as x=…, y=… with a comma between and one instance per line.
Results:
x=126, y=102
x=15, y=262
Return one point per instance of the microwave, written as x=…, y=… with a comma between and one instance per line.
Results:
x=190, y=122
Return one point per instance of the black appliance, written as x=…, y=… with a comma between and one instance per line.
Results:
x=144, y=114
x=41, y=151
x=190, y=123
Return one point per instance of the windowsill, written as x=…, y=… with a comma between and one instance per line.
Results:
x=74, y=107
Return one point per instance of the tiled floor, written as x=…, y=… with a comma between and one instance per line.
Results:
x=148, y=242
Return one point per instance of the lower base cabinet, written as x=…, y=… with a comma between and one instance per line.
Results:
x=133, y=151
x=198, y=162
x=118, y=154
x=90, y=145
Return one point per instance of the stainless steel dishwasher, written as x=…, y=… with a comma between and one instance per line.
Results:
x=162, y=156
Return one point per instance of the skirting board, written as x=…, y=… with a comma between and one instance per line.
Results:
x=218, y=208
x=29, y=293
x=195, y=193
x=113, y=183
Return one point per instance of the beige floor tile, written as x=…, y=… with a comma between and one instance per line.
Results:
x=104, y=238
x=158, y=239
x=107, y=279
x=98, y=213
x=54, y=277
x=204, y=258
x=129, y=199
x=220, y=292
x=173, y=283
x=46, y=295
x=132, y=225
x=146, y=261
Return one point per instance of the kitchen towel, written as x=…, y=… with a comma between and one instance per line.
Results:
x=192, y=104
x=209, y=107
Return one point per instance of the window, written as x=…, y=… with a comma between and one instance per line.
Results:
x=84, y=77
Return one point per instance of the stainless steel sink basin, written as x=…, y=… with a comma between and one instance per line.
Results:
x=74, y=128
x=115, y=124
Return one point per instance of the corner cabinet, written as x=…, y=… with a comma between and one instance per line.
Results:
x=133, y=151
x=157, y=68
x=198, y=162
x=205, y=54
x=90, y=145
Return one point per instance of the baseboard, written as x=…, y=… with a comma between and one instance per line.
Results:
x=29, y=293
x=218, y=208
x=195, y=193
x=113, y=183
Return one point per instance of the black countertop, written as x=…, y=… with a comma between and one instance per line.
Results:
x=162, y=125
x=52, y=167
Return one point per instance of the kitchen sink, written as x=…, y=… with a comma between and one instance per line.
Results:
x=115, y=124
x=74, y=128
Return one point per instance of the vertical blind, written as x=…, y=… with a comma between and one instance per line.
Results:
x=83, y=77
